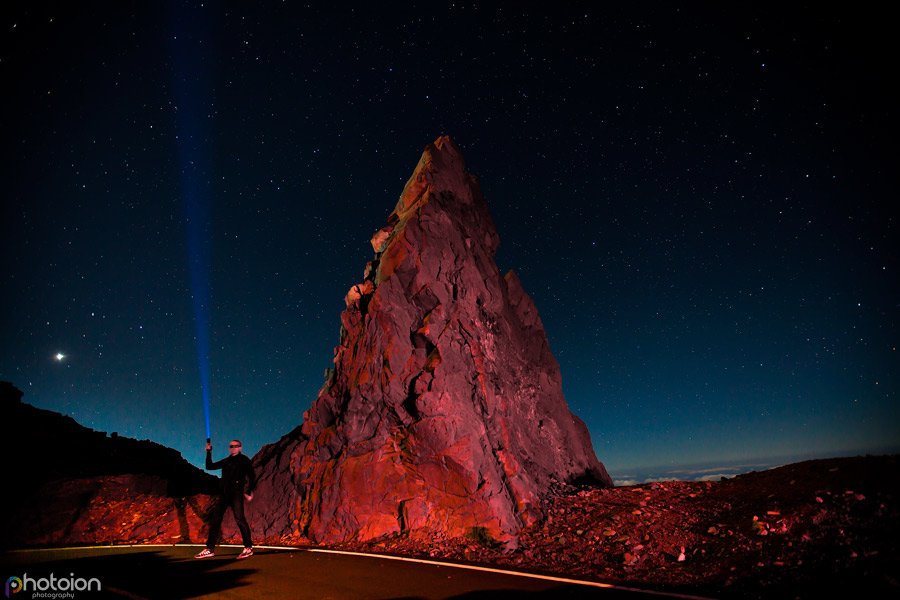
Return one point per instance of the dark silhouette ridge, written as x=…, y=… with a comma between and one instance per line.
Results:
x=67, y=474
x=49, y=445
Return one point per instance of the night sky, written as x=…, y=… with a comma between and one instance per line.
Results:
x=700, y=202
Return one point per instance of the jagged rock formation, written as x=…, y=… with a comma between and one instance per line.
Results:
x=444, y=411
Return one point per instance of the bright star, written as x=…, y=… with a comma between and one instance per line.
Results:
x=59, y=356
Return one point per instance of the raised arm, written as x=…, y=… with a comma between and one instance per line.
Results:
x=210, y=465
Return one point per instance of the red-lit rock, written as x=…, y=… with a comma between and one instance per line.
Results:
x=109, y=509
x=698, y=537
x=444, y=411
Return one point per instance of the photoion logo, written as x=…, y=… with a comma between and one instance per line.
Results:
x=51, y=587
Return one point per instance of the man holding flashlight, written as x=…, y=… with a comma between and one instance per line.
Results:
x=238, y=482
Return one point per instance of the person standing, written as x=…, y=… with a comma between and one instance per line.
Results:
x=238, y=482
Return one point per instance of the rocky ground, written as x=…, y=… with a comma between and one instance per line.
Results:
x=798, y=531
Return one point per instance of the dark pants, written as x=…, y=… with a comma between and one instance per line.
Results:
x=236, y=503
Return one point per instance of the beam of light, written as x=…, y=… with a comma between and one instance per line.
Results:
x=189, y=41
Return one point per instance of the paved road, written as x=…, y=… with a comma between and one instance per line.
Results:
x=171, y=572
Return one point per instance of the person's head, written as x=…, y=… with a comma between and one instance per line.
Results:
x=234, y=448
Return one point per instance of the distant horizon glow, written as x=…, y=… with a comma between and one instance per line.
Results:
x=714, y=471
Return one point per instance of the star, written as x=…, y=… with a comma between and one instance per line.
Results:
x=59, y=356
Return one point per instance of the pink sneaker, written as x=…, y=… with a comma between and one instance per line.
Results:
x=247, y=553
x=205, y=553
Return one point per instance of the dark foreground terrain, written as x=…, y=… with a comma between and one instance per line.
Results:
x=805, y=530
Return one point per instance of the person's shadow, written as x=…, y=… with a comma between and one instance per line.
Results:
x=146, y=574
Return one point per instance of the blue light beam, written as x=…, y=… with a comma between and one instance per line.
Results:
x=190, y=47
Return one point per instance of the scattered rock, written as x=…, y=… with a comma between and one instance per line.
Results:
x=803, y=560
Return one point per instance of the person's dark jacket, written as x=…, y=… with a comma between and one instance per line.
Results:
x=237, y=473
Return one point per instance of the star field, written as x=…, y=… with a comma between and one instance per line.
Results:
x=698, y=200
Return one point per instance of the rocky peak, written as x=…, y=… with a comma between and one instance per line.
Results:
x=444, y=411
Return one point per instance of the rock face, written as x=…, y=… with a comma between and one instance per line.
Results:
x=109, y=509
x=444, y=413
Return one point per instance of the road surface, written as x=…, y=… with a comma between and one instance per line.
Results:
x=171, y=572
